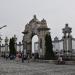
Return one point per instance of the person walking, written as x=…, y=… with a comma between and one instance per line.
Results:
x=28, y=58
x=22, y=58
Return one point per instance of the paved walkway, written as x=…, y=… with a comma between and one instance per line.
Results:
x=33, y=68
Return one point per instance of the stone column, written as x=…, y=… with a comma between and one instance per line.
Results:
x=15, y=42
x=19, y=46
x=67, y=42
x=29, y=46
x=24, y=45
x=0, y=45
x=43, y=30
x=6, y=47
x=70, y=46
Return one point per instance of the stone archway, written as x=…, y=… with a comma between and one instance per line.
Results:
x=35, y=27
x=35, y=44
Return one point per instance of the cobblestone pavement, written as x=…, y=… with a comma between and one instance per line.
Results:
x=33, y=68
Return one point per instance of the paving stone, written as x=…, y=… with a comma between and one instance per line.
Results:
x=34, y=68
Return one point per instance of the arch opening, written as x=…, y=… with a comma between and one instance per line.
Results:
x=35, y=44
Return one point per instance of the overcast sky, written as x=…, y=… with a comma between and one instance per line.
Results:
x=16, y=13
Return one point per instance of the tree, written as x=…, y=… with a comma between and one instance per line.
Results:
x=49, y=54
x=12, y=47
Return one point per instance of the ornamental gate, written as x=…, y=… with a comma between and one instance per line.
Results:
x=35, y=27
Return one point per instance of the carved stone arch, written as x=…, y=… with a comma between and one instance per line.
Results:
x=35, y=27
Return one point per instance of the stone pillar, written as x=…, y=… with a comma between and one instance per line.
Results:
x=6, y=47
x=70, y=46
x=15, y=42
x=67, y=42
x=19, y=46
x=56, y=46
x=29, y=47
x=64, y=42
x=0, y=45
x=24, y=47
x=43, y=30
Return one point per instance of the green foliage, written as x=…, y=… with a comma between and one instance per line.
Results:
x=12, y=46
x=49, y=54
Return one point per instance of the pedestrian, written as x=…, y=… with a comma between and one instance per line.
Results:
x=60, y=60
x=22, y=58
x=28, y=58
x=17, y=57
